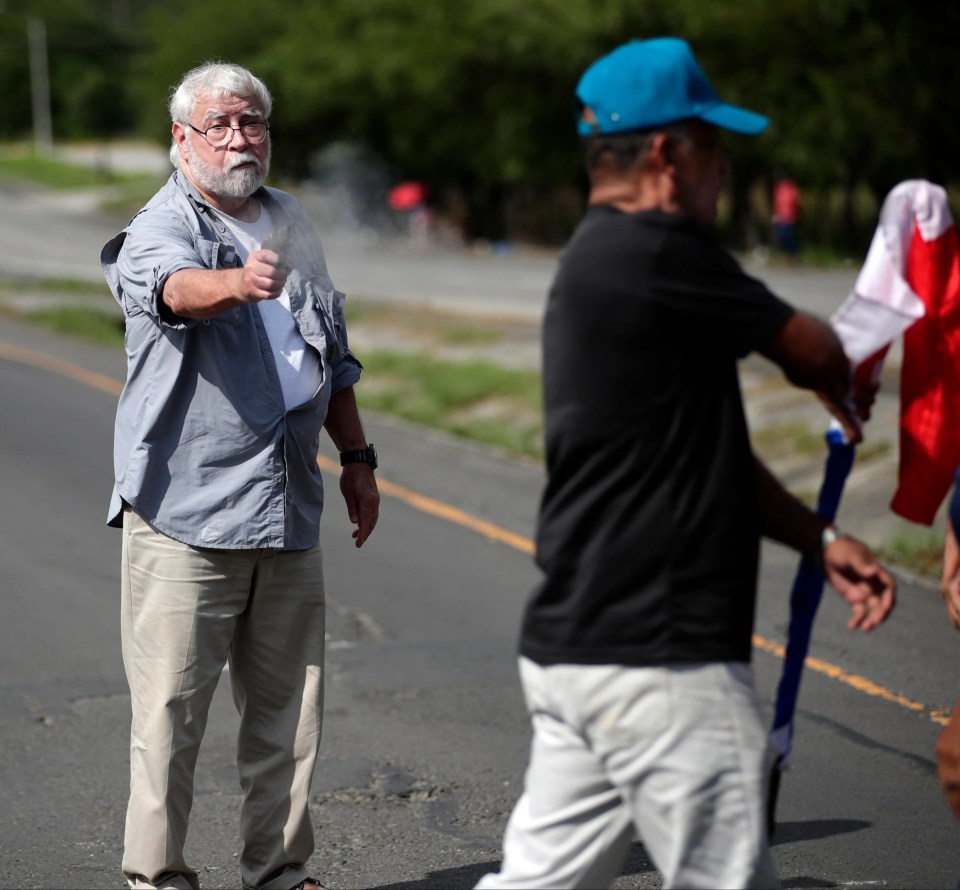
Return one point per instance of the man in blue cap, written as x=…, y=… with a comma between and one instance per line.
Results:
x=635, y=649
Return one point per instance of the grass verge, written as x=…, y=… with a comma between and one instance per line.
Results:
x=788, y=437
x=96, y=327
x=475, y=399
x=918, y=552
x=56, y=174
x=123, y=193
x=77, y=287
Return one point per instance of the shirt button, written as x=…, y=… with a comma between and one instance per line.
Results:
x=264, y=350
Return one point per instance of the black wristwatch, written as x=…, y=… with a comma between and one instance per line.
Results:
x=366, y=455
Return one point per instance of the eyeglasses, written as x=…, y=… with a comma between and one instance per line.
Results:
x=219, y=134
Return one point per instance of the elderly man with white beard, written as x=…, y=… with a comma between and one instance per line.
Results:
x=237, y=357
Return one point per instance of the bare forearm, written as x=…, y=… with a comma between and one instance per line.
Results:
x=812, y=357
x=357, y=483
x=810, y=354
x=343, y=423
x=203, y=293
x=786, y=518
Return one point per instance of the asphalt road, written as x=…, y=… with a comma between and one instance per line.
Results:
x=425, y=736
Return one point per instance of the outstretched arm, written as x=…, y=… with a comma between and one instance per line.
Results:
x=848, y=564
x=205, y=293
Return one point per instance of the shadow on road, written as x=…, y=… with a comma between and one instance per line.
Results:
x=636, y=863
x=791, y=832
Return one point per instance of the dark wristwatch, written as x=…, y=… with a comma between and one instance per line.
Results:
x=366, y=455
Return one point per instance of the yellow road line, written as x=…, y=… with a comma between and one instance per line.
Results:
x=861, y=684
x=526, y=545
x=488, y=529
x=444, y=511
x=59, y=366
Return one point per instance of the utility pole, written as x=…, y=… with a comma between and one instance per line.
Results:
x=40, y=85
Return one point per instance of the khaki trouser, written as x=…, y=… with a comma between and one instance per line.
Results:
x=185, y=613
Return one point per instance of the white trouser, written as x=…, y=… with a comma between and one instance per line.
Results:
x=677, y=755
x=185, y=612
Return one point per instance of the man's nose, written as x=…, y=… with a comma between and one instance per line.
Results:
x=237, y=133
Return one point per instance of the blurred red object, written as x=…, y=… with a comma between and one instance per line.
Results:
x=407, y=195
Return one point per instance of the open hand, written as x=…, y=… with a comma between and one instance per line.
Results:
x=850, y=566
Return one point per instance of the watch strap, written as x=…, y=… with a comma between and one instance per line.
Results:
x=366, y=455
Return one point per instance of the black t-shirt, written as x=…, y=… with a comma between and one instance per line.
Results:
x=648, y=534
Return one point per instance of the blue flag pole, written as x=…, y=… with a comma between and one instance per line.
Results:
x=804, y=601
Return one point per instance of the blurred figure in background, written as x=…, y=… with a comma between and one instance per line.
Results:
x=410, y=200
x=786, y=215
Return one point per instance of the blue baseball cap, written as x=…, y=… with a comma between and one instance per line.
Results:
x=650, y=83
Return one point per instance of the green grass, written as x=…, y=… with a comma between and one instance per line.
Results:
x=128, y=197
x=59, y=175
x=448, y=329
x=798, y=437
x=788, y=437
x=74, y=286
x=818, y=256
x=128, y=192
x=918, y=552
x=477, y=400
x=465, y=334
x=872, y=451
x=97, y=327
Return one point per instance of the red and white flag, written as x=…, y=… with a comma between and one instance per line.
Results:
x=910, y=284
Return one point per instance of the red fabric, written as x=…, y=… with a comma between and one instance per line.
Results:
x=786, y=201
x=407, y=195
x=930, y=380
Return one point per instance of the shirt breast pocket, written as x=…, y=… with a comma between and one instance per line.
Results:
x=218, y=255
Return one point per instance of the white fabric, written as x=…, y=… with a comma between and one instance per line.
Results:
x=298, y=366
x=882, y=304
x=678, y=755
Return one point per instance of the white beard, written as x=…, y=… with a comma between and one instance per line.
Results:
x=228, y=182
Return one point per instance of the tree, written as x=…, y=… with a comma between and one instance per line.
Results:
x=88, y=48
x=475, y=98
x=856, y=91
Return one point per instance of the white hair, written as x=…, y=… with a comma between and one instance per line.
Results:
x=217, y=79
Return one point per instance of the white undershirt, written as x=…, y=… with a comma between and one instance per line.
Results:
x=298, y=366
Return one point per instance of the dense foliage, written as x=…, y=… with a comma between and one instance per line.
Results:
x=474, y=97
